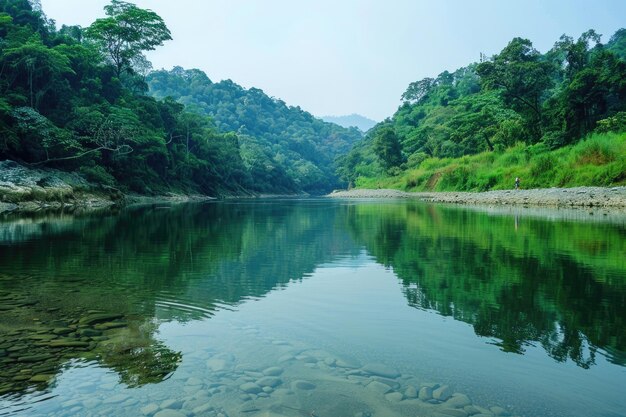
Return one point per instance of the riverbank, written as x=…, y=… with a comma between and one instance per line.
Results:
x=581, y=197
x=29, y=189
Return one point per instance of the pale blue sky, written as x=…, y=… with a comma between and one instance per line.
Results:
x=336, y=57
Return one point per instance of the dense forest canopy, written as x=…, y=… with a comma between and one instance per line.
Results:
x=299, y=148
x=517, y=96
x=77, y=99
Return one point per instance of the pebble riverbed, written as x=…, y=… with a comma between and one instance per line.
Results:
x=279, y=378
x=583, y=197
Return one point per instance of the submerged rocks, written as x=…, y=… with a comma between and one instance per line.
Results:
x=250, y=388
x=273, y=371
x=425, y=393
x=41, y=378
x=170, y=413
x=458, y=401
x=149, y=410
x=35, y=358
x=380, y=370
x=379, y=387
x=99, y=318
x=255, y=382
x=193, y=381
x=302, y=385
x=32, y=355
x=411, y=392
x=394, y=397
x=68, y=343
x=454, y=412
x=269, y=381
x=442, y=393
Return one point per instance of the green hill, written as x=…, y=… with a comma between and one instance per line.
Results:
x=72, y=103
x=279, y=143
x=519, y=103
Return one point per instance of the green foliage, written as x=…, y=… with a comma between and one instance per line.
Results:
x=388, y=148
x=126, y=33
x=285, y=148
x=75, y=99
x=598, y=160
x=617, y=44
x=522, y=77
x=97, y=175
x=64, y=105
x=615, y=123
x=518, y=96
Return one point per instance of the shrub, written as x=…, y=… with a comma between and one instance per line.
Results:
x=596, y=150
x=616, y=123
x=416, y=159
x=554, y=140
x=97, y=175
x=541, y=165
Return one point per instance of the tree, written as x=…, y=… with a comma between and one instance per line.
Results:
x=575, y=54
x=40, y=64
x=387, y=147
x=596, y=92
x=617, y=44
x=418, y=90
x=523, y=76
x=127, y=33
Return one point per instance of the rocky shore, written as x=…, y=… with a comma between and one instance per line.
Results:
x=581, y=197
x=29, y=189
x=24, y=188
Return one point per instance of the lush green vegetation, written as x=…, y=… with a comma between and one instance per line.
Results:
x=280, y=144
x=598, y=160
x=85, y=99
x=521, y=112
x=77, y=99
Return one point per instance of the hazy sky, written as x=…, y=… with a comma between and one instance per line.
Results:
x=336, y=57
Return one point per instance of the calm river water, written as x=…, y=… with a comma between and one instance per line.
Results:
x=319, y=308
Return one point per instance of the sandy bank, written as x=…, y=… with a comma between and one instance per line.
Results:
x=599, y=197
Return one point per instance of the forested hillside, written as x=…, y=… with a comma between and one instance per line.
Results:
x=279, y=143
x=76, y=99
x=518, y=98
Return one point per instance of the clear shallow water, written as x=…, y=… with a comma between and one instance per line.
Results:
x=348, y=307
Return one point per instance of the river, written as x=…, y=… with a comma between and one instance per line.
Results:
x=313, y=307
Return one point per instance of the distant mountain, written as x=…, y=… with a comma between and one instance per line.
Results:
x=354, y=120
x=284, y=148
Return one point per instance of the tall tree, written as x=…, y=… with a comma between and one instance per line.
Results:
x=40, y=64
x=523, y=77
x=387, y=147
x=126, y=33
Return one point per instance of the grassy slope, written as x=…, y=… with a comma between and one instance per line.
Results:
x=599, y=160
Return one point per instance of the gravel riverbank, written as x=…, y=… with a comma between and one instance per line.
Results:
x=597, y=197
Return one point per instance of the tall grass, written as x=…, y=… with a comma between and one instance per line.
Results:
x=599, y=160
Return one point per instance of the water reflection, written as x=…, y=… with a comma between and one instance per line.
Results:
x=518, y=280
x=522, y=281
x=144, y=264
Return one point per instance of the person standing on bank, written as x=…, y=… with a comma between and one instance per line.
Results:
x=517, y=183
